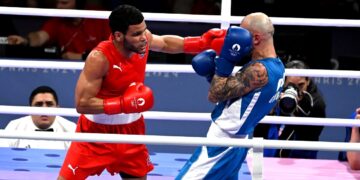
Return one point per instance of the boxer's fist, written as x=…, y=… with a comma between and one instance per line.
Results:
x=137, y=98
x=212, y=39
x=237, y=44
x=204, y=64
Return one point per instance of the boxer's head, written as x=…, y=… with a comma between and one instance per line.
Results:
x=260, y=26
x=43, y=96
x=129, y=28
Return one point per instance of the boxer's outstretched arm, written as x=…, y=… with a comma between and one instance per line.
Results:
x=166, y=43
x=212, y=39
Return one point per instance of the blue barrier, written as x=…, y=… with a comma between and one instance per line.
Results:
x=180, y=92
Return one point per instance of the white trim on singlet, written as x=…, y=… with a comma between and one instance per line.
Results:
x=113, y=119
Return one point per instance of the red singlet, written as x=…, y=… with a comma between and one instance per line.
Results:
x=84, y=158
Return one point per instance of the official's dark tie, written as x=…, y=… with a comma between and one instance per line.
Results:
x=50, y=130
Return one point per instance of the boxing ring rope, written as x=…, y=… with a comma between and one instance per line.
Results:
x=183, y=116
x=181, y=140
x=175, y=115
x=215, y=19
x=14, y=63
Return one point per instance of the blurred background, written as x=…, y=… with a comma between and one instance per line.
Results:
x=320, y=47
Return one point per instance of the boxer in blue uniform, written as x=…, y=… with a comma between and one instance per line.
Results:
x=242, y=99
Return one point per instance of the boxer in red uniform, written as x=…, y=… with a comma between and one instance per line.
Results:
x=111, y=95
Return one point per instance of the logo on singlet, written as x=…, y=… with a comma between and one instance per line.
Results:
x=72, y=169
x=117, y=67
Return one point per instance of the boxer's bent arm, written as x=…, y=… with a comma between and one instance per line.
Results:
x=89, y=84
x=224, y=88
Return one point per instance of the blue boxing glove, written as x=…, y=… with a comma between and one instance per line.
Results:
x=237, y=44
x=204, y=65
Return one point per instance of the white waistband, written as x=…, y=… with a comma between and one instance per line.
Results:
x=113, y=119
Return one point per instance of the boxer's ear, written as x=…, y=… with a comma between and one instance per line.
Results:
x=118, y=36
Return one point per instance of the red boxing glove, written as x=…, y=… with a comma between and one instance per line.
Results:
x=212, y=39
x=137, y=98
x=217, y=45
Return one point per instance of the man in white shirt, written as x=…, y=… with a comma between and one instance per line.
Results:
x=42, y=96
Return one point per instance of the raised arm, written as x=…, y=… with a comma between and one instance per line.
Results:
x=223, y=88
x=237, y=44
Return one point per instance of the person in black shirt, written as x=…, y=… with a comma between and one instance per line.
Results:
x=309, y=103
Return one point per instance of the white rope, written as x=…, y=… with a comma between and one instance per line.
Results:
x=322, y=73
x=177, y=17
x=14, y=63
x=180, y=140
x=184, y=116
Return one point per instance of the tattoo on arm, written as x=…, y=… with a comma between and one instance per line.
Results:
x=250, y=78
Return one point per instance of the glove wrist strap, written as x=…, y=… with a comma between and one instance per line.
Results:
x=192, y=45
x=112, y=105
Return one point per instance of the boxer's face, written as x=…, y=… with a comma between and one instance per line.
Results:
x=43, y=100
x=66, y=4
x=135, y=39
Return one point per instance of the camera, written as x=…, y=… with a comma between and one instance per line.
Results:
x=288, y=102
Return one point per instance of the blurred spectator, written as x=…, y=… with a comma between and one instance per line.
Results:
x=8, y=26
x=8, y=3
x=32, y=3
x=300, y=98
x=182, y=6
x=40, y=3
x=42, y=96
x=211, y=7
x=153, y=6
x=75, y=37
x=353, y=157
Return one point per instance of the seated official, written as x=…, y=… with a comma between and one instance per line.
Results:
x=42, y=96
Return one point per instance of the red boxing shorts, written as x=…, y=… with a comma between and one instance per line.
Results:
x=89, y=158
